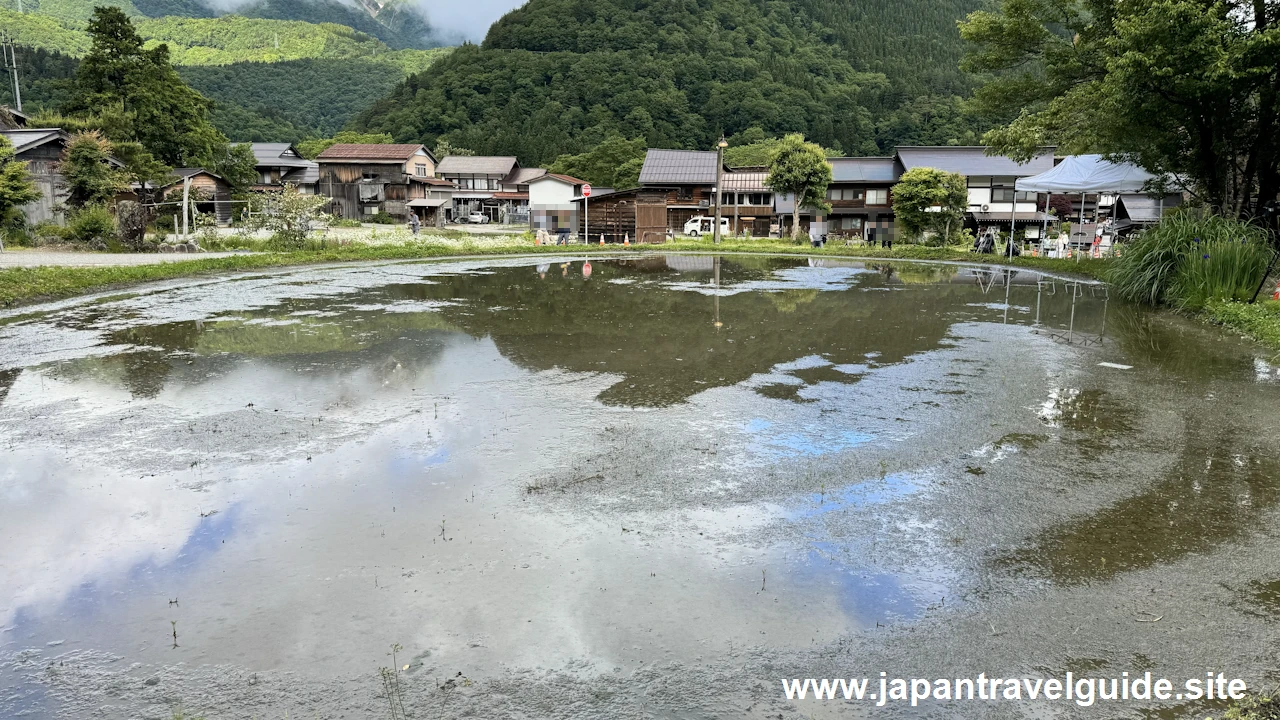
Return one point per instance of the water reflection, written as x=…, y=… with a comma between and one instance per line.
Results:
x=1217, y=491
x=636, y=319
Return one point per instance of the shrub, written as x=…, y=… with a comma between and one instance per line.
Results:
x=1257, y=707
x=92, y=226
x=383, y=218
x=346, y=223
x=1190, y=259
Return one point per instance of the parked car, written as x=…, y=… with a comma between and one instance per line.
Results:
x=699, y=225
x=478, y=218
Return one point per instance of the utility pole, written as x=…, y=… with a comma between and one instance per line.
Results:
x=186, y=196
x=719, y=182
x=9, y=57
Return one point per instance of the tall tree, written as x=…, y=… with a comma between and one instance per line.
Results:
x=169, y=118
x=930, y=199
x=800, y=168
x=236, y=164
x=1186, y=87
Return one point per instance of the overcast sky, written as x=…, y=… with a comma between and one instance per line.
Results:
x=465, y=19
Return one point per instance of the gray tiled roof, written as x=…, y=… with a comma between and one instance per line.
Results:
x=972, y=160
x=476, y=165
x=863, y=169
x=28, y=138
x=679, y=167
x=522, y=176
x=746, y=181
x=308, y=175
x=272, y=155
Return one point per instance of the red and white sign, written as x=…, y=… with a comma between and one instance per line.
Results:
x=586, y=190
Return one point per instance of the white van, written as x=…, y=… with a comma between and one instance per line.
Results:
x=700, y=225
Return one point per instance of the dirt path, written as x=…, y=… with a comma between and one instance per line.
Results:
x=40, y=258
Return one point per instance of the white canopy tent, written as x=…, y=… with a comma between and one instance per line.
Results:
x=1086, y=174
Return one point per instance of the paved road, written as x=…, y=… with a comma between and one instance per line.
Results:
x=38, y=258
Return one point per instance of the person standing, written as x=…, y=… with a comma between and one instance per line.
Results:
x=414, y=224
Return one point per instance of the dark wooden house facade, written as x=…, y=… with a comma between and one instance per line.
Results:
x=365, y=180
x=639, y=215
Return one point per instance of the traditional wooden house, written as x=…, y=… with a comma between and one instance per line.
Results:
x=747, y=201
x=209, y=193
x=280, y=164
x=689, y=179
x=42, y=149
x=365, y=180
x=638, y=215
x=861, y=198
x=493, y=186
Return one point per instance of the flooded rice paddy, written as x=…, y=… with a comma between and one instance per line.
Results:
x=634, y=488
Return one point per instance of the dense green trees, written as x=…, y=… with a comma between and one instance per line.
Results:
x=163, y=114
x=1185, y=87
x=312, y=97
x=614, y=163
x=560, y=76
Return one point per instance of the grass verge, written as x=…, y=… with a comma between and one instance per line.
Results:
x=20, y=286
x=1260, y=321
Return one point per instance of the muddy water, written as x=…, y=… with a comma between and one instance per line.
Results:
x=648, y=488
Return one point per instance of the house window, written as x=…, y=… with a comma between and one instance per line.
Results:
x=844, y=194
x=979, y=181
x=851, y=223
x=421, y=170
x=369, y=176
x=877, y=197
x=1007, y=195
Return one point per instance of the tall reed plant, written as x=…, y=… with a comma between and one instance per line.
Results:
x=1190, y=259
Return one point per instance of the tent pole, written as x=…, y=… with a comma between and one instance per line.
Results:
x=1044, y=224
x=1013, y=223
x=1081, y=224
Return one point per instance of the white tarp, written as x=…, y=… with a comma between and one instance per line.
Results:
x=1087, y=174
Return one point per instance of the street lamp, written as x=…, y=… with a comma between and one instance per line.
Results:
x=719, y=181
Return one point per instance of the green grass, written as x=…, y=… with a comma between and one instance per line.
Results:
x=1260, y=321
x=19, y=286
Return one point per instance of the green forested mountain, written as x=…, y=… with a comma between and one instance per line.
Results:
x=278, y=79
x=313, y=97
x=397, y=26
x=559, y=76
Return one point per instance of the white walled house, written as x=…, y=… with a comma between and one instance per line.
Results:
x=551, y=205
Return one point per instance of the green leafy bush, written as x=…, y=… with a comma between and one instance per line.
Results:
x=92, y=226
x=383, y=218
x=1192, y=258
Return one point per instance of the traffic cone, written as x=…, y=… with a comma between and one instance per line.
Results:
x=626, y=239
x=602, y=238
x=1277, y=295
